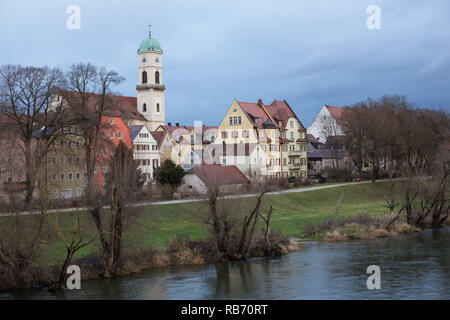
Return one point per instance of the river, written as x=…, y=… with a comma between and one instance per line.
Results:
x=413, y=266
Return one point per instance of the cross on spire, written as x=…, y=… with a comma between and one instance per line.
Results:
x=149, y=30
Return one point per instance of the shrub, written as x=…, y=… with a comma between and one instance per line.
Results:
x=339, y=174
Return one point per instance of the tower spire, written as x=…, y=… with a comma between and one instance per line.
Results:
x=149, y=30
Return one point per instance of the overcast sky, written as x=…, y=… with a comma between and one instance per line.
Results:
x=309, y=53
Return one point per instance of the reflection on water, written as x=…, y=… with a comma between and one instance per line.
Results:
x=415, y=266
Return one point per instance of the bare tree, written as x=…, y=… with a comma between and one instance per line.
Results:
x=73, y=240
x=25, y=99
x=20, y=241
x=124, y=181
x=89, y=100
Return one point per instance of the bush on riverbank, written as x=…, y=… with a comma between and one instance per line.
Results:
x=362, y=226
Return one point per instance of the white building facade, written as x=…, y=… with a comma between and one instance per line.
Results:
x=145, y=151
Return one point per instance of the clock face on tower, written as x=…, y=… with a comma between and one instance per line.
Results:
x=157, y=60
x=144, y=60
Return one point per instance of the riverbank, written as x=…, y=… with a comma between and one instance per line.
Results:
x=149, y=235
x=156, y=226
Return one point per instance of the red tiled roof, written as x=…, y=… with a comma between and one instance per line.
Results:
x=118, y=106
x=253, y=110
x=159, y=136
x=280, y=110
x=336, y=113
x=215, y=174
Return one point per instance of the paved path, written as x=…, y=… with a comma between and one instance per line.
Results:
x=251, y=195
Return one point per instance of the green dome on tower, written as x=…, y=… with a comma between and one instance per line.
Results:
x=150, y=44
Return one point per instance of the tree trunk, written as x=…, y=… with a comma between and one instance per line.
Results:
x=63, y=272
x=29, y=180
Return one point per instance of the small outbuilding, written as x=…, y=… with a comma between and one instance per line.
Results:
x=229, y=179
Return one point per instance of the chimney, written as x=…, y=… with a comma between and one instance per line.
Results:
x=260, y=103
x=177, y=124
x=169, y=124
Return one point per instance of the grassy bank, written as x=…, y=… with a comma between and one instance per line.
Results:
x=154, y=226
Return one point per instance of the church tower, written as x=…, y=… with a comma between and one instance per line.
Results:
x=150, y=90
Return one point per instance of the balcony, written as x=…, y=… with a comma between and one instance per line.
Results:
x=294, y=166
x=153, y=86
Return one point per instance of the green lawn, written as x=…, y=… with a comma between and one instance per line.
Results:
x=156, y=225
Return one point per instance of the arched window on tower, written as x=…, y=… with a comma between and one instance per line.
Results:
x=157, y=107
x=144, y=77
x=144, y=107
x=157, y=77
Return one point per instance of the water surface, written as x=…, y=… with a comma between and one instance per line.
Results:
x=414, y=266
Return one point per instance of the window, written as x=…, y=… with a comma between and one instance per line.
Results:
x=157, y=77
x=62, y=176
x=111, y=121
x=78, y=145
x=157, y=107
x=302, y=148
x=69, y=160
x=144, y=107
x=104, y=168
x=120, y=134
x=54, y=177
x=66, y=193
x=213, y=138
x=291, y=123
x=234, y=134
x=256, y=120
x=239, y=120
x=292, y=136
x=111, y=135
x=54, y=160
x=55, y=194
x=144, y=77
x=192, y=139
x=104, y=134
x=224, y=134
x=231, y=121
x=280, y=123
x=78, y=160
x=79, y=192
x=70, y=177
x=224, y=161
x=235, y=120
